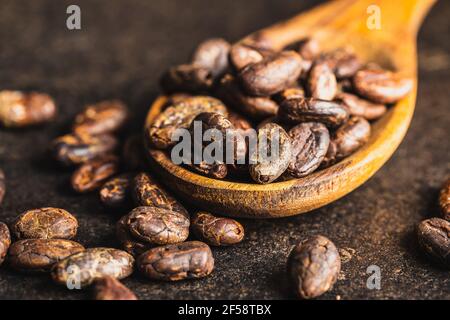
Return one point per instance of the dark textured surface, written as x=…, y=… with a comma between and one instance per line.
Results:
x=121, y=50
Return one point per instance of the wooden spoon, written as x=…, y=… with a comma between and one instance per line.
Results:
x=334, y=24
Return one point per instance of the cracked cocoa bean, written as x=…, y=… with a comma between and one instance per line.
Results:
x=313, y=267
x=271, y=75
x=322, y=83
x=310, y=141
x=109, y=288
x=2, y=186
x=444, y=200
x=19, y=109
x=102, y=117
x=93, y=174
x=115, y=193
x=85, y=267
x=187, y=260
x=351, y=136
x=180, y=116
x=361, y=107
x=5, y=241
x=434, y=238
x=45, y=223
x=73, y=149
x=381, y=86
x=265, y=168
x=213, y=55
x=39, y=255
x=148, y=192
x=129, y=243
x=217, y=231
x=158, y=226
x=300, y=110
x=187, y=78
x=255, y=108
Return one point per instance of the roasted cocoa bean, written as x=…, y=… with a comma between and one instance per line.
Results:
x=93, y=174
x=148, y=192
x=109, y=288
x=300, y=110
x=256, y=108
x=102, y=117
x=2, y=186
x=73, y=149
x=242, y=54
x=179, y=116
x=187, y=78
x=213, y=55
x=444, y=200
x=351, y=136
x=361, y=107
x=133, y=156
x=129, y=243
x=322, y=82
x=290, y=93
x=381, y=86
x=39, y=255
x=271, y=75
x=91, y=264
x=343, y=62
x=5, y=241
x=309, y=49
x=434, y=238
x=115, y=193
x=330, y=156
x=217, y=231
x=158, y=226
x=239, y=121
x=187, y=260
x=45, y=223
x=310, y=142
x=313, y=267
x=265, y=168
x=19, y=109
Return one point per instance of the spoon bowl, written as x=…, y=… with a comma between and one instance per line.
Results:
x=335, y=24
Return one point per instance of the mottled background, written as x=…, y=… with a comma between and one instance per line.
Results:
x=121, y=50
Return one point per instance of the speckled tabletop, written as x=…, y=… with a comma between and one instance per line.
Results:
x=122, y=48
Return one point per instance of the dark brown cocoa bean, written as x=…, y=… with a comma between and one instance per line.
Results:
x=330, y=156
x=343, y=62
x=93, y=174
x=265, y=168
x=188, y=260
x=308, y=48
x=434, y=238
x=381, y=86
x=313, y=267
x=217, y=231
x=148, y=192
x=115, y=193
x=187, y=78
x=300, y=110
x=180, y=116
x=109, y=288
x=290, y=93
x=73, y=149
x=271, y=75
x=18, y=109
x=239, y=121
x=158, y=226
x=322, y=82
x=256, y=108
x=213, y=55
x=39, y=255
x=5, y=241
x=83, y=268
x=351, y=136
x=102, y=117
x=242, y=54
x=2, y=186
x=310, y=142
x=444, y=200
x=45, y=223
x=129, y=243
x=133, y=156
x=361, y=107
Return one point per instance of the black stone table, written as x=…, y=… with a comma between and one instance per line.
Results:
x=122, y=48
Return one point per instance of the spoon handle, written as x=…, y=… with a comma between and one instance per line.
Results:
x=396, y=18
